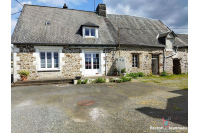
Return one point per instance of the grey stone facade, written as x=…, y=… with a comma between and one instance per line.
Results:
x=71, y=61
x=145, y=56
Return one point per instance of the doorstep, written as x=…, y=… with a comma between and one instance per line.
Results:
x=42, y=82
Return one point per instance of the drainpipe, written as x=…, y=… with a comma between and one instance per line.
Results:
x=163, y=60
x=119, y=39
x=105, y=63
x=13, y=61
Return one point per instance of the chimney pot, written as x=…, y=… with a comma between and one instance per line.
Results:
x=65, y=6
x=101, y=10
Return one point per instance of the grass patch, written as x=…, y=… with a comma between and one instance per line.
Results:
x=145, y=81
x=156, y=81
x=179, y=81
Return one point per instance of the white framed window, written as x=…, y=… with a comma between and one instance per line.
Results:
x=49, y=60
x=90, y=32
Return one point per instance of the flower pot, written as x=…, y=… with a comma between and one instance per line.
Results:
x=123, y=74
x=78, y=77
x=24, y=78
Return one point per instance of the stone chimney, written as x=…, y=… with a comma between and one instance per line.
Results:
x=101, y=10
x=65, y=6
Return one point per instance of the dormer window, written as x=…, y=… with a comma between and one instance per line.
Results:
x=90, y=30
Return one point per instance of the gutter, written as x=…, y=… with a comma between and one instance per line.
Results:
x=65, y=44
x=161, y=46
x=181, y=46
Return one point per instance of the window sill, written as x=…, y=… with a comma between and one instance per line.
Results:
x=51, y=69
x=90, y=37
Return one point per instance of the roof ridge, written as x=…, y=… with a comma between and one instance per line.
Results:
x=134, y=16
x=58, y=8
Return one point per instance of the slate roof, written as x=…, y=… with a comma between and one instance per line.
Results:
x=65, y=27
x=137, y=30
x=181, y=40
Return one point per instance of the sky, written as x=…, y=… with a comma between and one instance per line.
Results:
x=173, y=13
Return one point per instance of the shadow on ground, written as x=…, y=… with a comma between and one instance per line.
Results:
x=177, y=109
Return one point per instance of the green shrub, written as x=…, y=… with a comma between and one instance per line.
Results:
x=112, y=80
x=125, y=79
x=163, y=73
x=100, y=80
x=133, y=75
x=119, y=80
x=129, y=79
x=24, y=73
x=141, y=74
x=123, y=70
x=79, y=81
x=84, y=81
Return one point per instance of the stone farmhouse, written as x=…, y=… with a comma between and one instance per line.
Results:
x=53, y=42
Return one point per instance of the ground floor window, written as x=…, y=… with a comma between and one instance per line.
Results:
x=49, y=60
x=135, y=60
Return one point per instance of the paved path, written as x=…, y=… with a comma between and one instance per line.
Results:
x=123, y=107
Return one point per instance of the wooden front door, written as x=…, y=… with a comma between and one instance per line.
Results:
x=155, y=66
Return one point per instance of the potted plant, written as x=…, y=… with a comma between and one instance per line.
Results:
x=123, y=72
x=77, y=77
x=24, y=74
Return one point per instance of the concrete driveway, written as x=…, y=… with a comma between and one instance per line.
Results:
x=119, y=107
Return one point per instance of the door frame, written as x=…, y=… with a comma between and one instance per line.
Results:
x=97, y=51
x=158, y=58
x=93, y=71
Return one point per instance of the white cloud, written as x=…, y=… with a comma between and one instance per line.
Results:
x=61, y=2
x=13, y=24
x=18, y=7
x=173, y=13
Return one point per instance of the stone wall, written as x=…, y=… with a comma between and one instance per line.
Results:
x=145, y=55
x=70, y=66
x=182, y=55
x=27, y=58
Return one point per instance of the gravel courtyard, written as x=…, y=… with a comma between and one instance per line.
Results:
x=119, y=107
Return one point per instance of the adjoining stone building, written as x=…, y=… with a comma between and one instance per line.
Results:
x=53, y=42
